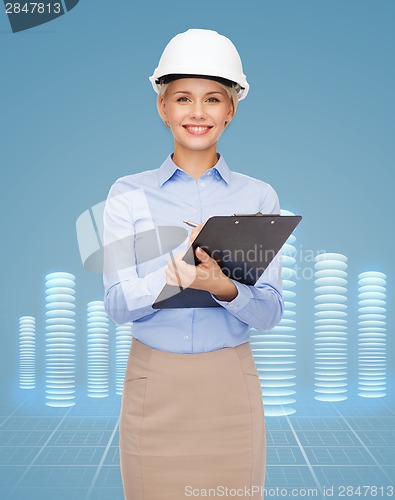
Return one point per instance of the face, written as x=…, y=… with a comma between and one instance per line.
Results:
x=196, y=110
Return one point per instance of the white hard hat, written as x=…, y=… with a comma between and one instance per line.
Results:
x=201, y=53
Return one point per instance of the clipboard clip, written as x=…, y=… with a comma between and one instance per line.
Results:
x=254, y=215
x=250, y=215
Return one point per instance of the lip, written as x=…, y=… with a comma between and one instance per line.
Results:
x=197, y=132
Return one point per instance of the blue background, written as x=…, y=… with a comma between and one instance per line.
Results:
x=78, y=111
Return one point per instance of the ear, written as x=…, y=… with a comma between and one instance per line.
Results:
x=231, y=111
x=162, y=108
x=230, y=114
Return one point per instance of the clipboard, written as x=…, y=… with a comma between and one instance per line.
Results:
x=229, y=239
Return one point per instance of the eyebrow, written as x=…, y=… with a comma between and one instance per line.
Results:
x=187, y=92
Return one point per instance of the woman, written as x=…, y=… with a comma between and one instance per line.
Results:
x=192, y=415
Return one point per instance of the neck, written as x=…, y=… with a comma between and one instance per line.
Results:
x=195, y=163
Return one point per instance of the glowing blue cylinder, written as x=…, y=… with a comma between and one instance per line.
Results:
x=330, y=327
x=60, y=339
x=27, y=358
x=274, y=351
x=372, y=329
x=123, y=334
x=98, y=350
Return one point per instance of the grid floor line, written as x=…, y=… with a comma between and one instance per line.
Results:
x=102, y=459
x=364, y=446
x=46, y=454
x=40, y=451
x=305, y=456
x=16, y=409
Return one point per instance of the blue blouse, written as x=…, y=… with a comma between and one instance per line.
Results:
x=134, y=274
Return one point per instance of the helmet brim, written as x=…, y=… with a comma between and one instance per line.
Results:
x=169, y=78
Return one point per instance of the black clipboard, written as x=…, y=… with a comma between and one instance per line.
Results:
x=229, y=239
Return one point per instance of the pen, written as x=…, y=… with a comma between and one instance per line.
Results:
x=193, y=224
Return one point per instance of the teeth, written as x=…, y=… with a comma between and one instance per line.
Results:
x=197, y=129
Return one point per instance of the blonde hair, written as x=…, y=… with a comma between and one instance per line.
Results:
x=231, y=92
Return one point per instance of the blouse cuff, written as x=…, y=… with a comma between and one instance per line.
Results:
x=244, y=295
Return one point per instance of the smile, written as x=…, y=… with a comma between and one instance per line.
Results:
x=197, y=130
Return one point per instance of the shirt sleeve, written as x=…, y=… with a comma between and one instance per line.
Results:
x=261, y=305
x=127, y=296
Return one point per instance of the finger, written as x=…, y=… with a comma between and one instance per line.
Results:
x=177, y=260
x=202, y=254
x=172, y=277
x=177, y=273
x=173, y=265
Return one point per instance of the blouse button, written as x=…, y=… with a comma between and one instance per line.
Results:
x=186, y=337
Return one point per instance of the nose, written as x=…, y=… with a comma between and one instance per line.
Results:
x=198, y=110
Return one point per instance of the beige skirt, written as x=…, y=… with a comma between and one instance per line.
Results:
x=191, y=423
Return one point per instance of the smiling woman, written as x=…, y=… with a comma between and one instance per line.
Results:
x=192, y=414
x=196, y=110
x=230, y=92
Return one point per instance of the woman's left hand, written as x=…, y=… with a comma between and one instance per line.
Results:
x=206, y=276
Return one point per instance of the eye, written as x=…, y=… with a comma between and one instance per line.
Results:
x=181, y=98
x=215, y=99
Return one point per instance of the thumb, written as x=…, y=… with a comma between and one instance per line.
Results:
x=203, y=256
